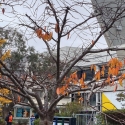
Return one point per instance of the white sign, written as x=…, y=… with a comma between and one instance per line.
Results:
x=54, y=123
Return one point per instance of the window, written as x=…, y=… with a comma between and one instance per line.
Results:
x=93, y=99
x=89, y=74
x=23, y=112
x=76, y=96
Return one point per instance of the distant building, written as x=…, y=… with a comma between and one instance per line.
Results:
x=115, y=36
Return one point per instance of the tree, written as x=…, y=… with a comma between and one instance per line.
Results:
x=4, y=102
x=55, y=22
x=121, y=98
x=17, y=43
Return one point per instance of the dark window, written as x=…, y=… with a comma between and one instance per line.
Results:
x=93, y=99
x=89, y=74
x=75, y=97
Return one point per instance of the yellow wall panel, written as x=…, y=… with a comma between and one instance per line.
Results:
x=106, y=103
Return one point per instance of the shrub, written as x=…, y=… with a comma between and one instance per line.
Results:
x=118, y=115
x=69, y=109
x=36, y=122
x=23, y=121
x=2, y=121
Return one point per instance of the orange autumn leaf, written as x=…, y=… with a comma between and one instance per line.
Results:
x=66, y=93
x=103, y=68
x=57, y=28
x=123, y=76
x=120, y=81
x=74, y=76
x=113, y=71
x=68, y=35
x=39, y=33
x=50, y=36
x=58, y=91
x=3, y=10
x=81, y=81
x=102, y=73
x=78, y=93
x=93, y=42
x=83, y=86
x=47, y=36
x=108, y=80
x=19, y=99
x=94, y=67
x=120, y=64
x=97, y=76
x=109, y=71
x=80, y=99
x=114, y=62
x=41, y=36
x=84, y=75
x=69, y=80
x=116, y=70
x=75, y=81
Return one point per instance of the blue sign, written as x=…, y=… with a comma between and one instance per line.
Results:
x=32, y=120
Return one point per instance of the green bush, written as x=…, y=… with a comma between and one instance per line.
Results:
x=23, y=121
x=100, y=120
x=36, y=122
x=114, y=117
x=2, y=121
x=69, y=109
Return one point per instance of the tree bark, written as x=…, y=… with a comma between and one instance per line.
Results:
x=45, y=122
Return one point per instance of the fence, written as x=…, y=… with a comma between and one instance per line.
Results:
x=85, y=119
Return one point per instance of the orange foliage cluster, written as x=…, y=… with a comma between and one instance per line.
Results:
x=114, y=65
x=81, y=99
x=45, y=36
x=72, y=79
x=62, y=90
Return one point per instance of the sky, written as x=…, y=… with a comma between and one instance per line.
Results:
x=9, y=19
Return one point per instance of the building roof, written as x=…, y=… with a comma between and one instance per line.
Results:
x=68, y=53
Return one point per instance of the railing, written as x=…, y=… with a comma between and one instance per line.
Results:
x=85, y=119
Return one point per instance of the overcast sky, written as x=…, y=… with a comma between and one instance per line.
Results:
x=9, y=18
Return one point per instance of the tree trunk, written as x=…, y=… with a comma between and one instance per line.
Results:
x=45, y=122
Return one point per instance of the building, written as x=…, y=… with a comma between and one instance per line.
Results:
x=107, y=10
x=101, y=99
x=115, y=35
